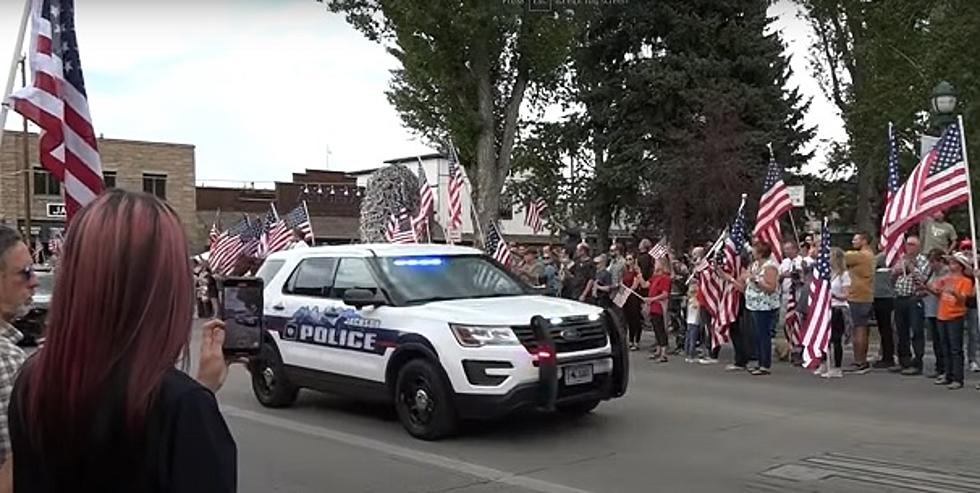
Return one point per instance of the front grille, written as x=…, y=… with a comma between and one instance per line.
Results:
x=590, y=335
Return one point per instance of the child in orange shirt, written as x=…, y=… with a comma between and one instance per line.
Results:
x=953, y=290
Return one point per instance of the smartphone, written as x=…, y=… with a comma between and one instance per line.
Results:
x=240, y=307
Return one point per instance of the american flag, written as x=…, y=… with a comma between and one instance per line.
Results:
x=251, y=238
x=534, y=218
x=937, y=183
x=213, y=234
x=496, y=247
x=710, y=288
x=892, y=249
x=401, y=228
x=774, y=203
x=660, y=250
x=228, y=248
x=426, y=201
x=817, y=326
x=58, y=104
x=56, y=243
x=456, y=181
x=791, y=326
x=730, y=300
x=271, y=225
x=298, y=218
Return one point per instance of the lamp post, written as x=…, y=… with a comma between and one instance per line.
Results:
x=944, y=98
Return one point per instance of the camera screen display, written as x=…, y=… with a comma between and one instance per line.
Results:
x=242, y=314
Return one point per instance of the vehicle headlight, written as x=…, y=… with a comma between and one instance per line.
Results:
x=482, y=335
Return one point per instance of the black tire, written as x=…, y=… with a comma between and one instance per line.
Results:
x=423, y=401
x=578, y=408
x=270, y=384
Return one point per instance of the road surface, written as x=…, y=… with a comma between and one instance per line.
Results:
x=682, y=427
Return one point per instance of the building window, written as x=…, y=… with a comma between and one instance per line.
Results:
x=156, y=185
x=45, y=183
x=109, y=177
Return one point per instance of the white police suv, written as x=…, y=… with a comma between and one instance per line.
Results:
x=443, y=332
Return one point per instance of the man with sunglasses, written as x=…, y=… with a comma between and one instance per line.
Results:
x=17, y=284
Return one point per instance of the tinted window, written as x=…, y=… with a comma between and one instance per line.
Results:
x=312, y=277
x=353, y=273
x=269, y=270
x=421, y=279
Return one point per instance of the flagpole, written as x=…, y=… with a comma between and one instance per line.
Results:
x=276, y=213
x=310, y=219
x=969, y=188
x=14, y=60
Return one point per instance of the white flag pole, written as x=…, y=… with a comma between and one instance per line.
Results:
x=310, y=219
x=969, y=188
x=14, y=59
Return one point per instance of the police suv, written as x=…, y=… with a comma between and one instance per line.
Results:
x=443, y=332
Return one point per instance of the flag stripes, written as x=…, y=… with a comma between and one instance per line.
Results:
x=817, y=326
x=57, y=103
x=534, y=218
x=774, y=203
x=892, y=248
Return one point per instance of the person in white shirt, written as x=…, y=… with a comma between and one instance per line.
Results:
x=791, y=277
x=840, y=284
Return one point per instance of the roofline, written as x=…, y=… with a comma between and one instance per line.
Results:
x=431, y=155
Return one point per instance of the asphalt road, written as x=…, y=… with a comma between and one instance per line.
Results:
x=682, y=427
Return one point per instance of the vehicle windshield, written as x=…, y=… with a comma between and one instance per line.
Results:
x=422, y=279
x=45, y=283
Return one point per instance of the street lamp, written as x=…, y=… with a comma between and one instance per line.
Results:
x=944, y=98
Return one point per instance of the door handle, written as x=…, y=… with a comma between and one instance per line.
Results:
x=278, y=307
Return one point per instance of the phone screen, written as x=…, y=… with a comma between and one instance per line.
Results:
x=241, y=310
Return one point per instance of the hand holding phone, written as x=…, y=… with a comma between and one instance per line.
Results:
x=240, y=308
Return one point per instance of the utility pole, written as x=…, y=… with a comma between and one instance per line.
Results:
x=28, y=173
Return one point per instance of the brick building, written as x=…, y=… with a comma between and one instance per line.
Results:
x=164, y=169
x=332, y=198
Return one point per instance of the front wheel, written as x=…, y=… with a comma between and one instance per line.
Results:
x=270, y=384
x=423, y=401
x=578, y=408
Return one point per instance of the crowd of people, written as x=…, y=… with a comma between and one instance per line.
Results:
x=926, y=295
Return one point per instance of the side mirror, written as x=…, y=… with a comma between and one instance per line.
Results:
x=359, y=298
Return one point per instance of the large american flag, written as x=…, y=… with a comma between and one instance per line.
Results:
x=710, y=287
x=280, y=233
x=791, y=325
x=251, y=238
x=774, y=203
x=426, y=201
x=496, y=247
x=937, y=183
x=534, y=218
x=58, y=104
x=817, y=327
x=271, y=226
x=456, y=182
x=299, y=218
x=892, y=249
x=401, y=228
x=730, y=301
x=228, y=248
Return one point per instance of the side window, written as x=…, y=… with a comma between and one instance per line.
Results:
x=352, y=273
x=269, y=270
x=312, y=277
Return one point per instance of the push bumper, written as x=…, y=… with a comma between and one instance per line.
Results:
x=551, y=390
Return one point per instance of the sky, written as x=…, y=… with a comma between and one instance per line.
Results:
x=264, y=88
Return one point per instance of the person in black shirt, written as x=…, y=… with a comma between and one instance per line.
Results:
x=101, y=406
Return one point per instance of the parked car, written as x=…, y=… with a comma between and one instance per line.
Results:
x=32, y=324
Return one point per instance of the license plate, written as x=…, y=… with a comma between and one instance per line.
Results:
x=577, y=375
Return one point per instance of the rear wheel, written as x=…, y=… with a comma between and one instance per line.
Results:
x=578, y=408
x=423, y=401
x=270, y=384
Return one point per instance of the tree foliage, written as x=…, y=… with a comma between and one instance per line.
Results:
x=878, y=62
x=467, y=67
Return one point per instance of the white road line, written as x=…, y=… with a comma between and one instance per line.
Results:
x=475, y=470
